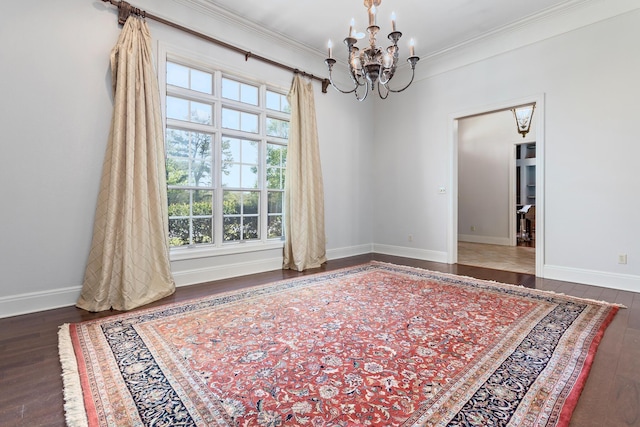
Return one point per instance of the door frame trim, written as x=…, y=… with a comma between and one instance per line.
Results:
x=452, y=226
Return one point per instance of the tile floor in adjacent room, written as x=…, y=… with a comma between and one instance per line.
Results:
x=518, y=259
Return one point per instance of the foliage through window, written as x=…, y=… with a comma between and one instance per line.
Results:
x=226, y=154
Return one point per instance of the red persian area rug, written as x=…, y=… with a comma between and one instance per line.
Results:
x=372, y=345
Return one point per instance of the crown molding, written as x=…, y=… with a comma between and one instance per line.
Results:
x=512, y=27
x=221, y=14
x=550, y=23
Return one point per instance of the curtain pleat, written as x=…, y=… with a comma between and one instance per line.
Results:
x=305, y=245
x=128, y=264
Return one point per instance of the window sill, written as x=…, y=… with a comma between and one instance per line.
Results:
x=181, y=254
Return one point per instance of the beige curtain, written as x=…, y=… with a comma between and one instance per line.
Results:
x=128, y=265
x=304, y=195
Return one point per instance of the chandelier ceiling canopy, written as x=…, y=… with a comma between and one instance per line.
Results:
x=373, y=67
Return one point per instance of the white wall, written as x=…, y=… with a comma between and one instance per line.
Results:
x=56, y=105
x=589, y=81
x=55, y=113
x=486, y=176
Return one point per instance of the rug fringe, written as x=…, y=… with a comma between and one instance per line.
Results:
x=74, y=410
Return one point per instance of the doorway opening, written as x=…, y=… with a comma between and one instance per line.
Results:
x=490, y=224
x=526, y=194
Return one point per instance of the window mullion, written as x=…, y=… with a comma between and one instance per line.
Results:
x=218, y=190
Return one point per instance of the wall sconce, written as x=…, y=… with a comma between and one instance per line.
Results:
x=523, y=117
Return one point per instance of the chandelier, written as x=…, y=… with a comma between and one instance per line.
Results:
x=373, y=67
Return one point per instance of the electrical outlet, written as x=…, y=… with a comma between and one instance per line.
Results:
x=410, y=238
x=622, y=259
x=473, y=228
x=442, y=190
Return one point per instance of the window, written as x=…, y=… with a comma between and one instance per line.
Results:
x=226, y=155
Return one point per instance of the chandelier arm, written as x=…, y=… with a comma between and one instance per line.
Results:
x=340, y=90
x=380, y=91
x=366, y=92
x=413, y=73
x=330, y=62
x=359, y=81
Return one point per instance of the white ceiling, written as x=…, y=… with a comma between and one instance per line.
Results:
x=436, y=25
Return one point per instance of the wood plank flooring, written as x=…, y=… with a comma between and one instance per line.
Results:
x=31, y=386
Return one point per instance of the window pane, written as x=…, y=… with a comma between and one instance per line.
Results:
x=278, y=102
x=190, y=111
x=274, y=178
x=250, y=202
x=201, y=174
x=279, y=128
x=200, y=145
x=231, y=175
x=231, y=229
x=190, y=217
x=250, y=152
x=177, y=171
x=177, y=108
x=240, y=163
x=230, y=89
x=250, y=228
x=230, y=119
x=189, y=78
x=201, y=81
x=274, y=226
x=276, y=155
x=249, y=122
x=237, y=91
x=178, y=202
x=177, y=75
x=178, y=232
x=189, y=158
x=273, y=101
x=202, y=230
x=249, y=94
x=239, y=120
x=249, y=177
x=201, y=113
x=275, y=202
x=177, y=143
x=232, y=203
x=231, y=149
x=276, y=160
x=202, y=203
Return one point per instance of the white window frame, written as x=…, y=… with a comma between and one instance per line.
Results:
x=218, y=247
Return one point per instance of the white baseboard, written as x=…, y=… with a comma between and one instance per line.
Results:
x=15, y=305
x=402, y=251
x=624, y=282
x=349, y=251
x=487, y=240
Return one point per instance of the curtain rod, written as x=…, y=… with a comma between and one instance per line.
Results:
x=125, y=9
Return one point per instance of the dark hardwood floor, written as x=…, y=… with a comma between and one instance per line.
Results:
x=31, y=386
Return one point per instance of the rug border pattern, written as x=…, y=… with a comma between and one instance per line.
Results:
x=596, y=313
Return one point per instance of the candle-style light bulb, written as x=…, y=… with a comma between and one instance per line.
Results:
x=393, y=21
x=387, y=60
x=352, y=28
x=412, y=47
x=330, y=46
x=372, y=16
